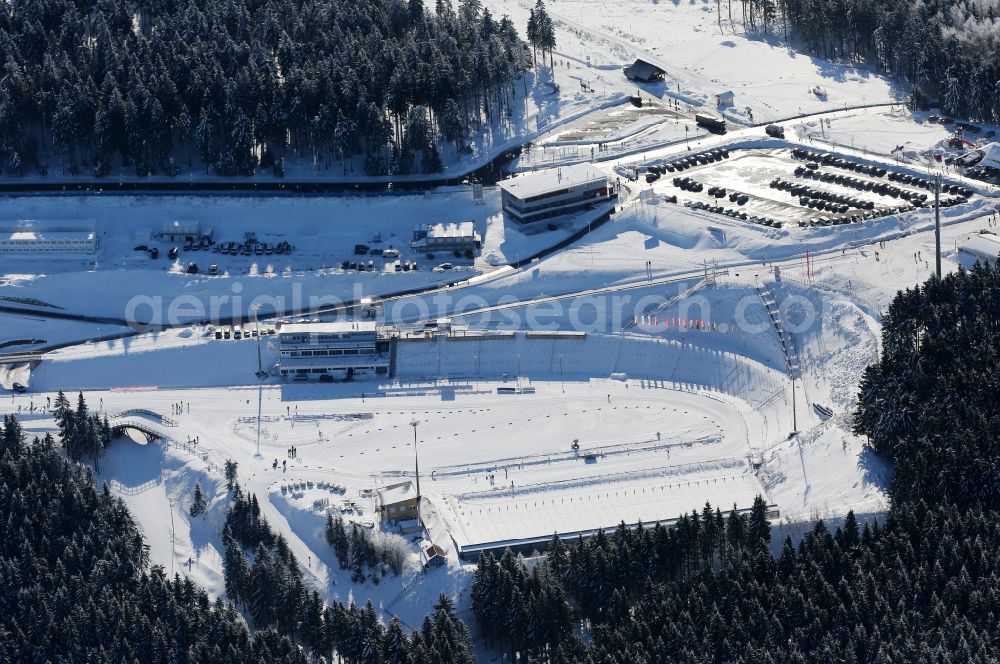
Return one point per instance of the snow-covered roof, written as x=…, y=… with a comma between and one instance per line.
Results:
x=328, y=328
x=397, y=493
x=985, y=246
x=728, y=94
x=455, y=230
x=643, y=71
x=333, y=362
x=553, y=179
x=181, y=226
x=41, y=235
x=991, y=156
x=497, y=519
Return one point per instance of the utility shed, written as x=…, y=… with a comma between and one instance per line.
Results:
x=644, y=72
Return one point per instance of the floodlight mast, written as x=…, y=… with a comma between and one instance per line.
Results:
x=937, y=224
x=416, y=464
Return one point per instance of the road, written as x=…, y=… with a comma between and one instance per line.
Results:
x=712, y=141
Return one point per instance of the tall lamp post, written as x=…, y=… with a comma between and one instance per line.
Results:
x=416, y=464
x=254, y=308
x=937, y=225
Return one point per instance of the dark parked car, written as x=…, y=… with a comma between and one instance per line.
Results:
x=360, y=249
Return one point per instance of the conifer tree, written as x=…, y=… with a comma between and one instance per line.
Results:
x=198, y=502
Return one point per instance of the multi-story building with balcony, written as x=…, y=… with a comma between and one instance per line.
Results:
x=555, y=192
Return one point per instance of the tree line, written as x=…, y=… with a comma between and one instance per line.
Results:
x=594, y=581
x=235, y=86
x=929, y=405
x=949, y=50
x=78, y=585
x=359, y=549
x=83, y=435
x=77, y=581
x=920, y=585
x=271, y=592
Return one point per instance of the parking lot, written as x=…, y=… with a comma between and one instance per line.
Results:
x=788, y=188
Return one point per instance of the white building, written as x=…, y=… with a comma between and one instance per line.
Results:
x=727, y=98
x=35, y=240
x=985, y=247
x=447, y=237
x=991, y=156
x=339, y=350
x=555, y=192
x=180, y=230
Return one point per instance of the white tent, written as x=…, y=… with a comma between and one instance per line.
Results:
x=991, y=156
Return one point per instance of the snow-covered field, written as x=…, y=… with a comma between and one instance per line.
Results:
x=701, y=59
x=323, y=231
x=678, y=393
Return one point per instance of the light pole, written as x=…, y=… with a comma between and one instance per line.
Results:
x=562, y=376
x=260, y=396
x=795, y=425
x=254, y=308
x=937, y=223
x=416, y=464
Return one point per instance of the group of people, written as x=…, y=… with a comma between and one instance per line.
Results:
x=178, y=408
x=284, y=465
x=293, y=452
x=492, y=478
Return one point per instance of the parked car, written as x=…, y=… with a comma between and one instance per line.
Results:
x=360, y=249
x=390, y=253
x=142, y=247
x=172, y=253
x=192, y=268
x=154, y=253
x=213, y=269
x=17, y=387
x=443, y=266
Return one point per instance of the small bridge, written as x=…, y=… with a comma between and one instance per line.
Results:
x=152, y=425
x=20, y=358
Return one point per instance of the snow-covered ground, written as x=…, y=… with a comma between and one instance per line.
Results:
x=677, y=394
x=908, y=136
x=323, y=231
x=701, y=59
